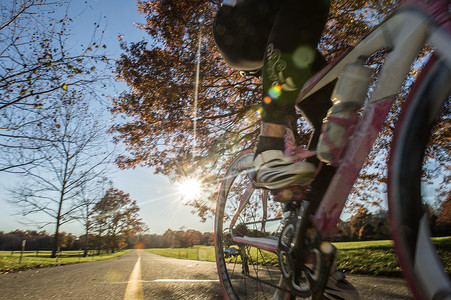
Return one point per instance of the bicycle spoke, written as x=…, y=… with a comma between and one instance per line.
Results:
x=249, y=272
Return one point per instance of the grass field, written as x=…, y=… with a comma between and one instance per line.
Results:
x=206, y=253
x=370, y=257
x=10, y=261
x=378, y=257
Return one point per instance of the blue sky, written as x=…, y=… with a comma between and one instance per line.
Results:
x=160, y=204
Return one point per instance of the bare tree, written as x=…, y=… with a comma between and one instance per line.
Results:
x=37, y=63
x=72, y=145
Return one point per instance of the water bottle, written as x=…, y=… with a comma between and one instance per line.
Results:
x=348, y=97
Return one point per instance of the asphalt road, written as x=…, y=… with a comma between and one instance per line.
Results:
x=142, y=275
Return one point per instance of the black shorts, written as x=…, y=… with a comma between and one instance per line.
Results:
x=241, y=32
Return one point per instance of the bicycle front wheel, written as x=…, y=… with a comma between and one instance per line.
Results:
x=419, y=184
x=243, y=224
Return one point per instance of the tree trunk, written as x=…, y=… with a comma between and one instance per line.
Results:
x=58, y=218
x=56, y=239
x=99, y=240
x=85, y=252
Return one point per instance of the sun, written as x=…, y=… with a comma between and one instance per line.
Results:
x=190, y=188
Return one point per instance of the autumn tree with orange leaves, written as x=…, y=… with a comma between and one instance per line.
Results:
x=443, y=223
x=116, y=218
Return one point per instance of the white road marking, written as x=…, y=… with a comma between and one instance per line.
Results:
x=167, y=280
x=134, y=289
x=186, y=280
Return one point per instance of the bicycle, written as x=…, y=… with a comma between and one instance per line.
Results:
x=257, y=261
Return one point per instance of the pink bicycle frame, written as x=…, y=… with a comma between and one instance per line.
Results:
x=423, y=22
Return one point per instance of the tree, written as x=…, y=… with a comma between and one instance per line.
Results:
x=67, y=240
x=192, y=237
x=171, y=240
x=34, y=240
x=72, y=145
x=343, y=231
x=443, y=223
x=37, y=64
x=358, y=220
x=116, y=219
x=156, y=241
x=366, y=232
x=207, y=239
x=381, y=225
x=165, y=113
x=90, y=193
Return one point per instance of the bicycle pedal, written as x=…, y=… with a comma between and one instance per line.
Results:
x=290, y=194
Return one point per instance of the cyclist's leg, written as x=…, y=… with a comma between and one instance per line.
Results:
x=290, y=56
x=314, y=109
x=289, y=59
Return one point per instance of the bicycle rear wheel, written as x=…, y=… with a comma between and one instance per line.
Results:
x=419, y=184
x=245, y=270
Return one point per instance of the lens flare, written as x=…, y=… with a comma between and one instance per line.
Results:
x=258, y=112
x=303, y=57
x=275, y=91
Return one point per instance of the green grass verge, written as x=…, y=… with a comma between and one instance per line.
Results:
x=370, y=257
x=10, y=261
x=205, y=253
x=378, y=257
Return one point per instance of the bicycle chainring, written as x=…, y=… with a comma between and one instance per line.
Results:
x=306, y=271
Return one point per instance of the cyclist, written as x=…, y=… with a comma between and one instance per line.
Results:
x=280, y=37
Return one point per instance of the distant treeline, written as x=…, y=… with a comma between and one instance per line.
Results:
x=173, y=239
x=41, y=240
x=366, y=226
x=362, y=226
x=37, y=240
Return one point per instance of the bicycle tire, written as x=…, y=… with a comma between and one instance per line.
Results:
x=263, y=278
x=409, y=190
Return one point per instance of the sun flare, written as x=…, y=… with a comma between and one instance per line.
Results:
x=190, y=188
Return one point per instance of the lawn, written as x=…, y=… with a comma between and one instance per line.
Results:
x=370, y=257
x=206, y=253
x=378, y=257
x=10, y=261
